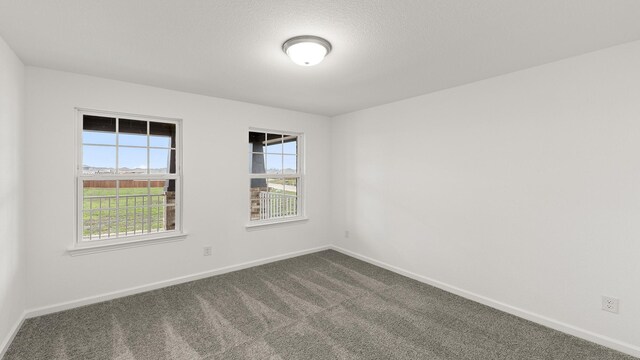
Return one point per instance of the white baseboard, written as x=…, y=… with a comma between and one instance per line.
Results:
x=161, y=284
x=537, y=318
x=4, y=346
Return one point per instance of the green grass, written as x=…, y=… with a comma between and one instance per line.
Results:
x=133, y=211
x=123, y=191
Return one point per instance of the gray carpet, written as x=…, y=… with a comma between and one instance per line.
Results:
x=320, y=306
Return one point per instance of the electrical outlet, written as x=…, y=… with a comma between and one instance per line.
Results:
x=610, y=304
x=346, y=233
x=207, y=251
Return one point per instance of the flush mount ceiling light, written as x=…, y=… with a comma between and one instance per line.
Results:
x=306, y=50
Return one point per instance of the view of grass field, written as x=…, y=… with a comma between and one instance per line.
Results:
x=136, y=211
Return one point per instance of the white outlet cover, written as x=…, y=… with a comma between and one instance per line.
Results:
x=610, y=304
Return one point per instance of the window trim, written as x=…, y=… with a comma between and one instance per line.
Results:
x=80, y=247
x=300, y=175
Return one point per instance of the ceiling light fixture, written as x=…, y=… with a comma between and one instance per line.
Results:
x=306, y=50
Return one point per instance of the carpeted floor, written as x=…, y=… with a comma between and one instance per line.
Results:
x=320, y=306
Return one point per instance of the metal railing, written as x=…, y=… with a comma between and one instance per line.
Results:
x=274, y=205
x=106, y=216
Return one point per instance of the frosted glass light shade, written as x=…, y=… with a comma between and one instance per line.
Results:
x=306, y=50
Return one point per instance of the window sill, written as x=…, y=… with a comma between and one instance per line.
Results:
x=255, y=225
x=85, y=249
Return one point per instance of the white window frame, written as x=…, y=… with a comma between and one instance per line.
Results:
x=81, y=246
x=299, y=175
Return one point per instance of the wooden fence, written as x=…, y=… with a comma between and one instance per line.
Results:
x=123, y=183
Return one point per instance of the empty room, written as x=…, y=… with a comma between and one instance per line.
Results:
x=328, y=179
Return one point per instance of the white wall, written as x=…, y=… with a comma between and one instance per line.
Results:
x=215, y=186
x=12, y=247
x=524, y=189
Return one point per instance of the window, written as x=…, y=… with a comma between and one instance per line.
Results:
x=128, y=178
x=275, y=171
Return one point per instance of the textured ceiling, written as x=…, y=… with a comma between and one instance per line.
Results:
x=383, y=50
